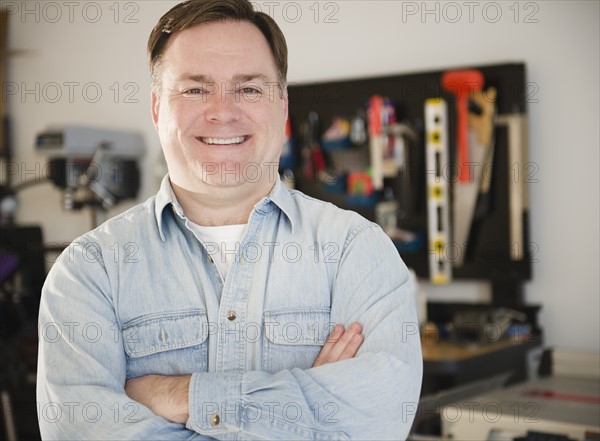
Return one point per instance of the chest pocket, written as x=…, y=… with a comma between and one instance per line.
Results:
x=172, y=343
x=294, y=337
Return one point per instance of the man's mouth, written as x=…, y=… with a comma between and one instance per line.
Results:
x=223, y=141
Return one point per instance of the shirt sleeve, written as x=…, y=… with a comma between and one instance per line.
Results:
x=371, y=396
x=81, y=361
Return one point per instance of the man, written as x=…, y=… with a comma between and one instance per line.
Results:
x=205, y=312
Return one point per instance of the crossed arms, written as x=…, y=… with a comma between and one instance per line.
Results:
x=168, y=396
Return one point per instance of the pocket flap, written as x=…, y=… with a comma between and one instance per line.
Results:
x=164, y=332
x=307, y=326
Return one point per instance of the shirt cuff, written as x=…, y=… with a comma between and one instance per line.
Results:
x=215, y=403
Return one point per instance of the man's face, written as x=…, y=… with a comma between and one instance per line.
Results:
x=220, y=115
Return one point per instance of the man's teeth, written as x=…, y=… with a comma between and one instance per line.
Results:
x=223, y=141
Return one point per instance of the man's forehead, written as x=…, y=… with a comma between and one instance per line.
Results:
x=218, y=49
x=219, y=36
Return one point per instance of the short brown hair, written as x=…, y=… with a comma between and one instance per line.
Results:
x=192, y=12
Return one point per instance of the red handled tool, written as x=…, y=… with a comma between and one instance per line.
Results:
x=376, y=140
x=462, y=83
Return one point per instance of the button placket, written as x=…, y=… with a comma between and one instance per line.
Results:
x=231, y=352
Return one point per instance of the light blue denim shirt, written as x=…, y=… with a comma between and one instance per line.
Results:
x=140, y=295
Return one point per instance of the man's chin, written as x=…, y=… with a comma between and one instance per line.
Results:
x=224, y=184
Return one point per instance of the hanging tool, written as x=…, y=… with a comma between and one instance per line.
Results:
x=317, y=157
x=313, y=161
x=463, y=84
x=436, y=152
x=403, y=136
x=377, y=142
x=483, y=123
x=517, y=190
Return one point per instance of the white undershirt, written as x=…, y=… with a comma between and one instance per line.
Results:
x=221, y=243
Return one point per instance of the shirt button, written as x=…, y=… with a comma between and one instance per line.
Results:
x=231, y=316
x=215, y=420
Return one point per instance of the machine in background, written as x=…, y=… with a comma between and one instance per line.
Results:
x=94, y=168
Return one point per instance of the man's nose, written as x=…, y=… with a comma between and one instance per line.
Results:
x=223, y=105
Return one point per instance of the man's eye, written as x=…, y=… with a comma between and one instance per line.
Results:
x=250, y=91
x=196, y=91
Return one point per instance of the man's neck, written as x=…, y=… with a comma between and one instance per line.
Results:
x=221, y=206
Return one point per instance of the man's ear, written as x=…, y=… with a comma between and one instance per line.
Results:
x=285, y=99
x=155, y=104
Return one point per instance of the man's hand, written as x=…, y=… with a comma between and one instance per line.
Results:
x=167, y=397
x=341, y=344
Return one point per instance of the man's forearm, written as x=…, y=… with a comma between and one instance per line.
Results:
x=371, y=396
x=166, y=396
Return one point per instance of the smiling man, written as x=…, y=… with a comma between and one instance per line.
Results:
x=220, y=109
x=239, y=309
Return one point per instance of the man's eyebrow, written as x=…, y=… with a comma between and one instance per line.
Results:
x=198, y=78
x=245, y=78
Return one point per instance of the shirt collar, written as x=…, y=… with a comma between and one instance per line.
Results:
x=279, y=196
x=164, y=198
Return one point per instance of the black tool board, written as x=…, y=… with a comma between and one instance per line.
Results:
x=488, y=249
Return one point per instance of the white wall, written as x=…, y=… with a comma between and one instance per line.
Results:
x=90, y=45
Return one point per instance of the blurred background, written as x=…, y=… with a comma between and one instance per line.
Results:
x=84, y=64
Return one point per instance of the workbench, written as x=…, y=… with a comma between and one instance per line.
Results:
x=447, y=364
